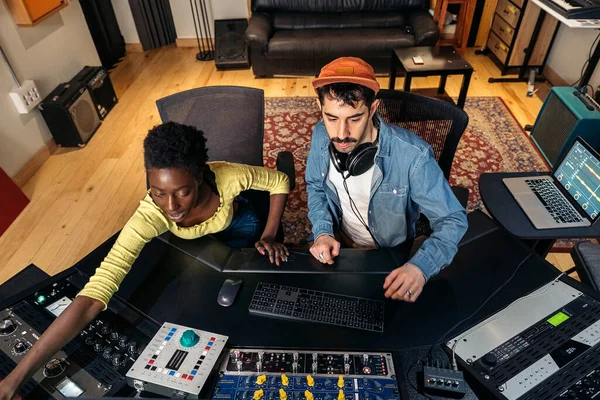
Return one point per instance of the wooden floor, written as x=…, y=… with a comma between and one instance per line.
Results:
x=80, y=197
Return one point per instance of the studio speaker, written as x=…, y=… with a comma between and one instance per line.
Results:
x=231, y=51
x=70, y=114
x=565, y=114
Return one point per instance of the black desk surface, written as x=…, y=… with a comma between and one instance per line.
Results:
x=504, y=208
x=171, y=285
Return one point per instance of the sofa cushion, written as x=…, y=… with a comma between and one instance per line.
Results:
x=314, y=43
x=338, y=5
x=289, y=20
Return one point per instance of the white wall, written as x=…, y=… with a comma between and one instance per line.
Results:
x=125, y=21
x=217, y=9
x=570, y=51
x=49, y=53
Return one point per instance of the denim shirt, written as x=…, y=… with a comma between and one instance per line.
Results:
x=406, y=181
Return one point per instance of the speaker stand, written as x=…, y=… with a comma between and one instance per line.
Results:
x=206, y=51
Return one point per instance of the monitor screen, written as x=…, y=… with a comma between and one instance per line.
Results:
x=579, y=174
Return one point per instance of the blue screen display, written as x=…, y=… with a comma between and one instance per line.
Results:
x=579, y=174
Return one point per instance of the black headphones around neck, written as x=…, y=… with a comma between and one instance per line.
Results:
x=355, y=163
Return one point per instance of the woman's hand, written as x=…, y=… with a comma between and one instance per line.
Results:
x=7, y=391
x=277, y=252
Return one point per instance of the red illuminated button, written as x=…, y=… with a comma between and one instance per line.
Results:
x=184, y=376
x=190, y=377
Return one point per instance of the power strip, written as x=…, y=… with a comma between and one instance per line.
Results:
x=443, y=382
x=26, y=97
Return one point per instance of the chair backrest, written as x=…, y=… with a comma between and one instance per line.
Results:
x=439, y=123
x=231, y=117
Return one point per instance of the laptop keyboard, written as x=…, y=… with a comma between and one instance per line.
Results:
x=272, y=300
x=553, y=200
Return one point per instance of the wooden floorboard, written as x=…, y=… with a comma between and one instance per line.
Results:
x=80, y=197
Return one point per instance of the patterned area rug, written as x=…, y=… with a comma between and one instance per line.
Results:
x=493, y=142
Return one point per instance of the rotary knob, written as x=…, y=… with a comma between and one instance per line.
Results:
x=123, y=341
x=261, y=355
x=239, y=365
x=189, y=338
x=346, y=368
x=346, y=358
x=7, y=327
x=294, y=367
x=114, y=335
x=54, y=368
x=489, y=359
x=98, y=346
x=259, y=366
x=107, y=352
x=132, y=348
x=117, y=360
x=20, y=348
x=105, y=329
x=236, y=355
x=365, y=358
x=295, y=357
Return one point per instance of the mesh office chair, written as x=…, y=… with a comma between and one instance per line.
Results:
x=232, y=119
x=439, y=123
x=587, y=263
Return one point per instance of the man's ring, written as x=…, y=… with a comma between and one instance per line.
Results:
x=409, y=294
x=321, y=256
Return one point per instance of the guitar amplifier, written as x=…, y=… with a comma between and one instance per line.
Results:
x=565, y=114
x=70, y=114
x=101, y=90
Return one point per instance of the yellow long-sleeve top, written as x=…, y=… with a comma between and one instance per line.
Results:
x=149, y=221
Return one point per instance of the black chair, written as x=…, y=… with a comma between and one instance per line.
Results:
x=587, y=263
x=439, y=123
x=232, y=119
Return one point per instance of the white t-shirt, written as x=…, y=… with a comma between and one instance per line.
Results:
x=360, y=191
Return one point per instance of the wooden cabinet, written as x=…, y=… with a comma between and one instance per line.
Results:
x=513, y=25
x=31, y=12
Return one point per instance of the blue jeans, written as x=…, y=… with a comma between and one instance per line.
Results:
x=245, y=227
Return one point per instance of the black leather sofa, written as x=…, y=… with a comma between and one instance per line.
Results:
x=298, y=37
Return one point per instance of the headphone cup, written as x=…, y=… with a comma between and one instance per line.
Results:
x=359, y=161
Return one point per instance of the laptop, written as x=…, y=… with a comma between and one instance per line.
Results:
x=569, y=198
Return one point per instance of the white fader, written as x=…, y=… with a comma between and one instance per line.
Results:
x=177, y=361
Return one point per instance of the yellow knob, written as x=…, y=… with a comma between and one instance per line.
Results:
x=282, y=394
x=284, y=380
x=261, y=379
x=258, y=394
x=310, y=380
x=308, y=395
x=341, y=395
x=340, y=382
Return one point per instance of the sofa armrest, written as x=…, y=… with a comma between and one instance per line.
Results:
x=424, y=28
x=259, y=31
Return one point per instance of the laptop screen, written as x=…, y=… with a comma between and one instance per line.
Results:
x=579, y=174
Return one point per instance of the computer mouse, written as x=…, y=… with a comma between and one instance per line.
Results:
x=228, y=292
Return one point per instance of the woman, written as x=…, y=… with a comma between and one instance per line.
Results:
x=187, y=196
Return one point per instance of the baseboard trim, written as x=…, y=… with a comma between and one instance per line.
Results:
x=553, y=77
x=190, y=42
x=33, y=165
x=134, y=48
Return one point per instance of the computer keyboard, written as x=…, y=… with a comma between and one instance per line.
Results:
x=554, y=201
x=278, y=301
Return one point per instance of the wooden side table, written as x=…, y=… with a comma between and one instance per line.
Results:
x=442, y=61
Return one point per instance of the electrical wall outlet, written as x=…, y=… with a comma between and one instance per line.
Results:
x=26, y=97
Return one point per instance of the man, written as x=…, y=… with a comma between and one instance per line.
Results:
x=371, y=180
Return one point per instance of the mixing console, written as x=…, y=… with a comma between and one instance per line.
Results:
x=315, y=375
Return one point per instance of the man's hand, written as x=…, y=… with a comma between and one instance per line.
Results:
x=277, y=252
x=404, y=283
x=7, y=391
x=325, y=248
